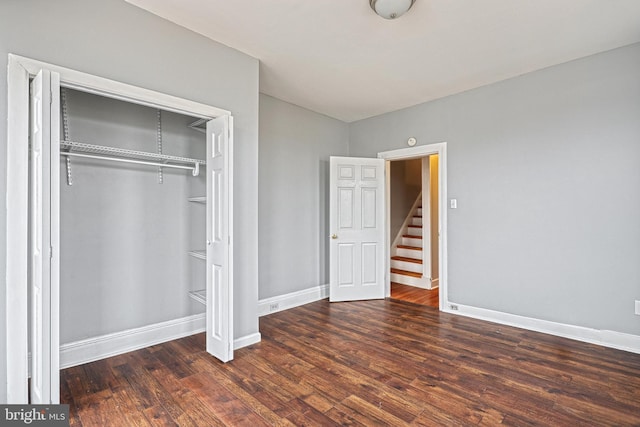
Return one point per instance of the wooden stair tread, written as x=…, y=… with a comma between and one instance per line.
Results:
x=414, y=248
x=406, y=273
x=411, y=236
x=407, y=259
x=414, y=226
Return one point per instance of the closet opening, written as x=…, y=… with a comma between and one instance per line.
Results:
x=132, y=218
x=119, y=220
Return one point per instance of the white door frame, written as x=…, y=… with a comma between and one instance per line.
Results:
x=20, y=70
x=412, y=153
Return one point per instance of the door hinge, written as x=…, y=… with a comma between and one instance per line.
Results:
x=50, y=252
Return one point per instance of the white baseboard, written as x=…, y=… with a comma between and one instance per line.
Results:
x=92, y=349
x=293, y=299
x=246, y=340
x=612, y=339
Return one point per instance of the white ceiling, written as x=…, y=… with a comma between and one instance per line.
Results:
x=338, y=58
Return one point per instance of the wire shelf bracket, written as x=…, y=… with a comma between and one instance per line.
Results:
x=65, y=131
x=159, y=143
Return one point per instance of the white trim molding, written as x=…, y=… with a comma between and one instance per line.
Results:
x=15, y=310
x=612, y=339
x=101, y=347
x=293, y=299
x=246, y=340
x=97, y=348
x=122, y=91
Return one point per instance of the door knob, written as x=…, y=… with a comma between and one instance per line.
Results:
x=334, y=236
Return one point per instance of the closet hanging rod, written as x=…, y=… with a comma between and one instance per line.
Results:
x=80, y=149
x=123, y=152
x=195, y=169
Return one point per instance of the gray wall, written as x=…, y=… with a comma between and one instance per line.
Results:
x=112, y=39
x=545, y=170
x=295, y=145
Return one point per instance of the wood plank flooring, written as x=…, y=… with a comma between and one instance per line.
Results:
x=367, y=363
x=415, y=295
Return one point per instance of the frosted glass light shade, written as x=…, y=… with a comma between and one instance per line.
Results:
x=391, y=9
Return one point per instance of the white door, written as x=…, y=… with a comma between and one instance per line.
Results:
x=219, y=326
x=356, y=209
x=44, y=261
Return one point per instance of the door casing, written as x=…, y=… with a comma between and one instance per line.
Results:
x=20, y=71
x=413, y=153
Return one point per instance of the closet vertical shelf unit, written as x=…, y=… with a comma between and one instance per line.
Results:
x=199, y=295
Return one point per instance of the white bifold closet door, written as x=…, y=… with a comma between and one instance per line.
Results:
x=219, y=328
x=44, y=260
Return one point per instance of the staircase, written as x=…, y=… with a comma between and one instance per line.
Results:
x=406, y=253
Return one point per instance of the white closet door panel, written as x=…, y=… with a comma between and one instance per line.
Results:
x=219, y=328
x=44, y=226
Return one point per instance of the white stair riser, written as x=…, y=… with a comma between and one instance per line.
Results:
x=407, y=266
x=408, y=280
x=416, y=221
x=409, y=253
x=414, y=231
x=418, y=212
x=422, y=283
x=408, y=241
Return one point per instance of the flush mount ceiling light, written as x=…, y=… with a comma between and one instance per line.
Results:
x=391, y=9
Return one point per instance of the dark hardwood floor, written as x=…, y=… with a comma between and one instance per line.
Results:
x=366, y=363
x=415, y=295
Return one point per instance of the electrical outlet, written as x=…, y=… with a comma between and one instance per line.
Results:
x=453, y=307
x=274, y=306
x=638, y=307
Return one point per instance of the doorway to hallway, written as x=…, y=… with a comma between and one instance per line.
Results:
x=414, y=230
x=428, y=297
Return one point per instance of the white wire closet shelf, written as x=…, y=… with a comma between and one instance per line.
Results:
x=102, y=152
x=199, y=295
x=198, y=254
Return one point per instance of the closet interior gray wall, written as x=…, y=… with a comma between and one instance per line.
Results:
x=124, y=238
x=118, y=41
x=295, y=145
x=545, y=170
